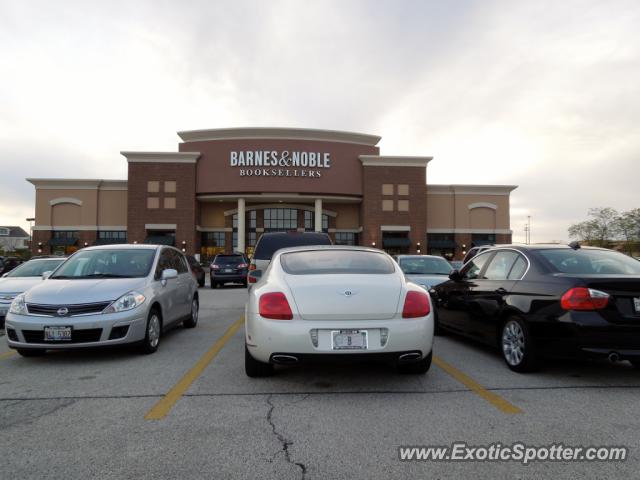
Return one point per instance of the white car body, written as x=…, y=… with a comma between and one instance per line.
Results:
x=322, y=304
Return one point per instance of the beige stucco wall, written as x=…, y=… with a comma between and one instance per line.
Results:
x=452, y=211
x=112, y=207
x=347, y=215
x=212, y=214
x=63, y=212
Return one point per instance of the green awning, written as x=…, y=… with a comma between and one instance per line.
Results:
x=62, y=242
x=396, y=242
x=160, y=240
x=109, y=241
x=441, y=244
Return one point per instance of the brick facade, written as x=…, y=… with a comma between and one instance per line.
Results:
x=184, y=216
x=372, y=215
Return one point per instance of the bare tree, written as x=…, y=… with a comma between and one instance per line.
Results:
x=627, y=226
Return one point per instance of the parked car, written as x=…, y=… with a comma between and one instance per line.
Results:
x=456, y=264
x=546, y=301
x=475, y=251
x=271, y=242
x=229, y=268
x=335, y=302
x=21, y=279
x=8, y=264
x=196, y=269
x=424, y=270
x=103, y=296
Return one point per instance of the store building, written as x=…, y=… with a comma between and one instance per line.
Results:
x=223, y=188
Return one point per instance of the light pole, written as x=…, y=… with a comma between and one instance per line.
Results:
x=30, y=220
x=529, y=229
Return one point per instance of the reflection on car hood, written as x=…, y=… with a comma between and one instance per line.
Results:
x=427, y=280
x=71, y=292
x=18, y=284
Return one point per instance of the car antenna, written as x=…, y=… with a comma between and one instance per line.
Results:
x=575, y=245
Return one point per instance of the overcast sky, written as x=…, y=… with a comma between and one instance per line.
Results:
x=540, y=94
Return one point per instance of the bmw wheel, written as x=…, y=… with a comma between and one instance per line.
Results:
x=153, y=333
x=517, y=346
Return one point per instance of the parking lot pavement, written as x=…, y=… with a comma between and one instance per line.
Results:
x=80, y=414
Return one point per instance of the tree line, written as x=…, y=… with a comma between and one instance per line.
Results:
x=606, y=226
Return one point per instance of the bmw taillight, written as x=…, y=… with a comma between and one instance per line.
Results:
x=416, y=304
x=582, y=298
x=274, y=305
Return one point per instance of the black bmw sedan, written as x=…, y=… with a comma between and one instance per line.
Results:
x=535, y=301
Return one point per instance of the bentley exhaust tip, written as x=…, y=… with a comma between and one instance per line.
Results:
x=409, y=357
x=614, y=357
x=284, y=359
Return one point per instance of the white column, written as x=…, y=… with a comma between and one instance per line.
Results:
x=318, y=220
x=241, y=216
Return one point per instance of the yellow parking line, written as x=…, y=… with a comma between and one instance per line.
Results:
x=494, y=399
x=8, y=354
x=166, y=403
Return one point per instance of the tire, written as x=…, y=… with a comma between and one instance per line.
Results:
x=153, y=332
x=245, y=283
x=192, y=321
x=201, y=282
x=254, y=368
x=419, y=367
x=213, y=284
x=31, y=352
x=437, y=328
x=516, y=346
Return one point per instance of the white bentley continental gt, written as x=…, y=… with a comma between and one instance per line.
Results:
x=328, y=302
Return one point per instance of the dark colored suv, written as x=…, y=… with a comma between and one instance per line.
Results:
x=271, y=241
x=229, y=268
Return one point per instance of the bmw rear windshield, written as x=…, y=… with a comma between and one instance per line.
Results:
x=327, y=262
x=590, y=262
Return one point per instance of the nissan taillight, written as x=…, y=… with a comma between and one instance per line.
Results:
x=274, y=305
x=582, y=298
x=416, y=304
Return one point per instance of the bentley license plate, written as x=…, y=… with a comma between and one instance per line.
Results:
x=57, y=334
x=349, y=339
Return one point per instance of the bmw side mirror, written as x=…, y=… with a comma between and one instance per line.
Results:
x=455, y=275
x=46, y=275
x=169, y=274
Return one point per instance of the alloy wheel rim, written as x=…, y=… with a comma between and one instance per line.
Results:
x=154, y=331
x=194, y=310
x=513, y=343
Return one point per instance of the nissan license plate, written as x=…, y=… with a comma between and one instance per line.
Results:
x=57, y=334
x=349, y=339
x=636, y=304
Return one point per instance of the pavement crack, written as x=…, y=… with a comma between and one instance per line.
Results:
x=284, y=441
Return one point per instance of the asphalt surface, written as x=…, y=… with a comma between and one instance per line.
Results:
x=82, y=414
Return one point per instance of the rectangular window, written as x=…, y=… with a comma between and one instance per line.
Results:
x=115, y=236
x=387, y=189
x=403, y=205
x=403, y=189
x=346, y=238
x=170, y=202
x=64, y=234
x=213, y=239
x=153, y=202
x=170, y=186
x=310, y=221
x=280, y=219
x=153, y=186
x=387, y=205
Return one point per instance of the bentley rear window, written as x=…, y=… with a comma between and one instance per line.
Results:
x=322, y=262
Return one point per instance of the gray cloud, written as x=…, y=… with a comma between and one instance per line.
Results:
x=539, y=94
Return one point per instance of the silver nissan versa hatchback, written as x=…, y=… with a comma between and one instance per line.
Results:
x=103, y=296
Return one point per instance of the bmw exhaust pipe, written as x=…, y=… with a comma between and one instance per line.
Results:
x=409, y=357
x=614, y=357
x=284, y=359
